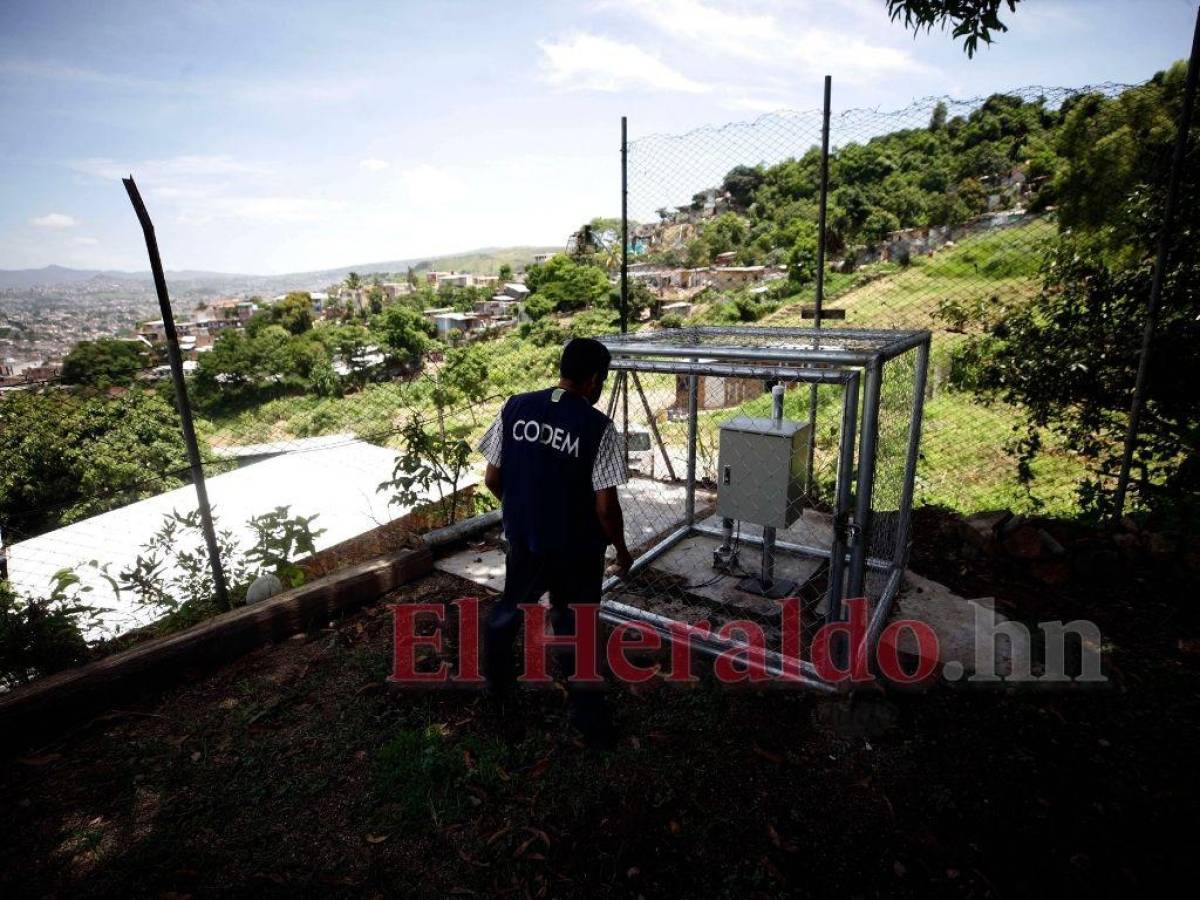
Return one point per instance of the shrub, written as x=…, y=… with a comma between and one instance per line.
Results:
x=42, y=635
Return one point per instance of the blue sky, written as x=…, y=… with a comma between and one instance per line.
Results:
x=276, y=137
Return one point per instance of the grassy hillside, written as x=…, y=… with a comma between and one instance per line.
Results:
x=486, y=262
x=967, y=463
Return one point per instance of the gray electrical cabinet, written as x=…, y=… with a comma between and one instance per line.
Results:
x=760, y=472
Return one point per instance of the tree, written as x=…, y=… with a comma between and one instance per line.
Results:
x=353, y=281
x=293, y=312
x=564, y=285
x=406, y=334
x=938, y=120
x=878, y=224
x=740, y=183
x=431, y=460
x=506, y=272
x=1069, y=357
x=375, y=300
x=105, y=362
x=802, y=259
x=972, y=20
x=68, y=456
x=351, y=346
x=641, y=299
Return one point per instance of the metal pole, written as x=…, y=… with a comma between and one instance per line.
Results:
x=653, y=426
x=690, y=499
x=910, y=461
x=625, y=273
x=866, y=482
x=185, y=409
x=841, y=504
x=767, y=574
x=612, y=397
x=1160, y=266
x=820, y=298
x=624, y=228
x=625, y=414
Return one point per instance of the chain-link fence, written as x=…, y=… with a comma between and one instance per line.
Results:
x=940, y=217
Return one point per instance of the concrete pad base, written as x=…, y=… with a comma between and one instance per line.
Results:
x=957, y=622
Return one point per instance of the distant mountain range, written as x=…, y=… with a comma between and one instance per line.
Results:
x=484, y=261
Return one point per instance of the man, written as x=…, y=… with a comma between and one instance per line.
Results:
x=554, y=462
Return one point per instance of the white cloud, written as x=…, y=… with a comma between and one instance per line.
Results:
x=593, y=63
x=756, y=35
x=373, y=165
x=756, y=104
x=54, y=220
x=171, y=170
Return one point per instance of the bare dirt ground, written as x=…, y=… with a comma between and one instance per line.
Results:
x=294, y=771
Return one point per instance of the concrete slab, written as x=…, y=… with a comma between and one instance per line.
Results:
x=483, y=567
x=687, y=568
x=681, y=584
x=957, y=622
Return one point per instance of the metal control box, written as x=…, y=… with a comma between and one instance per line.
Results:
x=760, y=472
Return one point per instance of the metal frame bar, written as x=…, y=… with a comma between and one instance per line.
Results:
x=712, y=646
x=873, y=562
x=866, y=481
x=841, y=504
x=690, y=500
x=887, y=335
x=837, y=357
x=916, y=412
x=726, y=370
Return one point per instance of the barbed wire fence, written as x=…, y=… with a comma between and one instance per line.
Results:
x=722, y=231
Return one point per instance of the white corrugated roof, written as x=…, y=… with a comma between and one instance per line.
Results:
x=337, y=482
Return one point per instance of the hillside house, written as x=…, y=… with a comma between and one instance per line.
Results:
x=731, y=277
x=516, y=290
x=456, y=279
x=464, y=322
x=499, y=307
x=717, y=392
x=683, y=309
x=232, y=309
x=394, y=289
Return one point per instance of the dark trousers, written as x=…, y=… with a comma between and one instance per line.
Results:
x=572, y=580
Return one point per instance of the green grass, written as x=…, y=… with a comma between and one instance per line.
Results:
x=422, y=778
x=966, y=461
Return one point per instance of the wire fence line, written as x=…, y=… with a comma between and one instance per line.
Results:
x=941, y=214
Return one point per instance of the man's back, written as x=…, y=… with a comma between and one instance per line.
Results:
x=550, y=443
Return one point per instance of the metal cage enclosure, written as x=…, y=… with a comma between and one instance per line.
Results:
x=863, y=408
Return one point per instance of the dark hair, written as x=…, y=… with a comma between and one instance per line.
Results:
x=583, y=358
